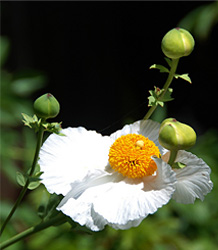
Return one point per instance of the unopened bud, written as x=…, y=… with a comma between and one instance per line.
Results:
x=46, y=106
x=174, y=135
x=177, y=43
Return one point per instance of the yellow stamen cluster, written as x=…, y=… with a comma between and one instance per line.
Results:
x=131, y=154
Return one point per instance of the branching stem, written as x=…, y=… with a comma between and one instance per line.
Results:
x=25, y=187
x=165, y=87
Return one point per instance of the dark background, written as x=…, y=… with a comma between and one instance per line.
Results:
x=97, y=57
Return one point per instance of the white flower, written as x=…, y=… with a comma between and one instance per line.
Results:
x=116, y=180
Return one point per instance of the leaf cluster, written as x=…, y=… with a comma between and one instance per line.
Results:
x=159, y=96
x=34, y=180
x=34, y=123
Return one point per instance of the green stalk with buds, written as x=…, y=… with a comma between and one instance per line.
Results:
x=45, y=107
x=175, y=44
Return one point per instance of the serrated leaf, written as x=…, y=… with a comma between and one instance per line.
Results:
x=184, y=77
x=27, y=120
x=167, y=97
x=160, y=67
x=53, y=127
x=31, y=121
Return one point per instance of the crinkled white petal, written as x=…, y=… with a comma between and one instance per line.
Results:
x=103, y=198
x=193, y=181
x=65, y=159
x=148, y=128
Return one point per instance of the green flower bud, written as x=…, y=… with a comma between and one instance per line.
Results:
x=177, y=43
x=174, y=135
x=46, y=106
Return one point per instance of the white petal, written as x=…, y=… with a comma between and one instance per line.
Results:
x=117, y=201
x=193, y=181
x=146, y=128
x=64, y=159
x=78, y=203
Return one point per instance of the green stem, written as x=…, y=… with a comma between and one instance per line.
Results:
x=165, y=87
x=32, y=230
x=25, y=187
x=173, y=154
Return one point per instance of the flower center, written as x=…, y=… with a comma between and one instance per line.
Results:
x=131, y=154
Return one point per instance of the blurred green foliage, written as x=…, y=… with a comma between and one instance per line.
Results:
x=174, y=226
x=201, y=21
x=17, y=143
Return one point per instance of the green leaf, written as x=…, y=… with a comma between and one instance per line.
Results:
x=31, y=122
x=27, y=84
x=33, y=185
x=151, y=101
x=160, y=67
x=21, y=180
x=34, y=180
x=184, y=77
x=47, y=208
x=42, y=209
x=169, y=61
x=160, y=103
x=178, y=165
x=53, y=127
x=156, y=99
x=167, y=97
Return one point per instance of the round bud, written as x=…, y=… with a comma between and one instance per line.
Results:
x=174, y=135
x=177, y=43
x=46, y=106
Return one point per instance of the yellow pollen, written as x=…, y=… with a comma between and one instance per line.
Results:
x=140, y=143
x=131, y=154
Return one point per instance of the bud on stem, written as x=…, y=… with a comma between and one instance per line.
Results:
x=174, y=135
x=46, y=106
x=177, y=43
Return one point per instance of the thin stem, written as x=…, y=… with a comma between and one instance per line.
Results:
x=32, y=230
x=25, y=187
x=173, y=154
x=165, y=87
